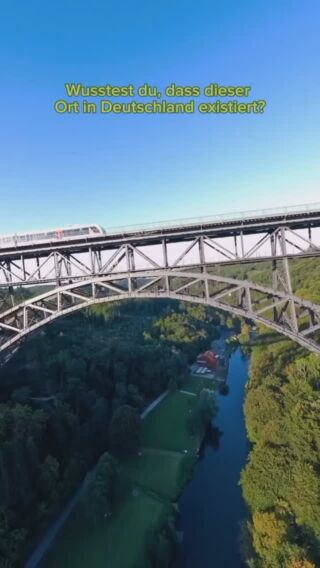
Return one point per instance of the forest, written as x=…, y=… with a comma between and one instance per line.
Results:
x=73, y=392
x=65, y=397
x=281, y=481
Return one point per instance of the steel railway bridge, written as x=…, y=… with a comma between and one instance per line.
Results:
x=190, y=261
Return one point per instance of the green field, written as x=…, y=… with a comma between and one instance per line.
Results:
x=118, y=543
x=151, y=481
x=165, y=427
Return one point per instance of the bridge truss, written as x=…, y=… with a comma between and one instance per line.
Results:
x=251, y=240
x=294, y=317
x=178, y=261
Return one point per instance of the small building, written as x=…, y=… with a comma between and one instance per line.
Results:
x=208, y=359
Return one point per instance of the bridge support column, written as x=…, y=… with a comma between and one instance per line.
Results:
x=68, y=267
x=130, y=267
x=8, y=276
x=95, y=260
x=282, y=279
x=165, y=253
x=287, y=276
x=56, y=268
x=25, y=318
x=202, y=256
x=38, y=268
x=203, y=269
x=274, y=269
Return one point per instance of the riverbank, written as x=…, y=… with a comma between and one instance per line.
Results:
x=212, y=506
x=149, y=482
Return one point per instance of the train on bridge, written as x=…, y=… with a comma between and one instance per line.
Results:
x=37, y=237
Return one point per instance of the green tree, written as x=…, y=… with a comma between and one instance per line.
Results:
x=244, y=337
x=49, y=478
x=262, y=404
x=125, y=430
x=269, y=533
x=264, y=479
x=99, y=498
x=300, y=564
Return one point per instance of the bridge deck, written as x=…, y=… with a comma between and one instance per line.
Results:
x=176, y=232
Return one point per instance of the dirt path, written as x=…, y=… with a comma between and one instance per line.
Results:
x=57, y=524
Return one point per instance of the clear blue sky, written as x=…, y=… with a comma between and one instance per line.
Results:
x=58, y=169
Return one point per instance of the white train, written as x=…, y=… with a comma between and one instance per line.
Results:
x=72, y=232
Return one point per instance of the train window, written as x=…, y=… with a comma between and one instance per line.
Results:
x=94, y=229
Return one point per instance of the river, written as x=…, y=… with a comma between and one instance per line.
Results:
x=211, y=505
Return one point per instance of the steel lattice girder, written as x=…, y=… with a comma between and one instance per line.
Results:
x=294, y=317
x=64, y=262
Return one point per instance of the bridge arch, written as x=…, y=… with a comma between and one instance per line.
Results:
x=283, y=312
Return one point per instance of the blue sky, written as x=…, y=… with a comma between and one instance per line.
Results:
x=57, y=170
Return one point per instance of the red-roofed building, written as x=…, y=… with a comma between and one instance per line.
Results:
x=208, y=359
